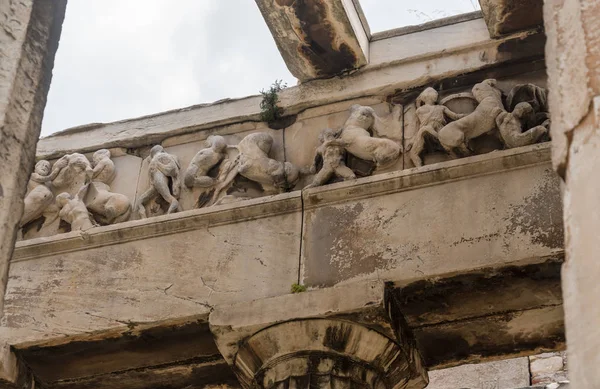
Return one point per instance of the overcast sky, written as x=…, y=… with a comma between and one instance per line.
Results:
x=120, y=59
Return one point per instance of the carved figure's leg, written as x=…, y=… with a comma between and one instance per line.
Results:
x=176, y=185
x=419, y=144
x=321, y=177
x=528, y=137
x=35, y=203
x=144, y=198
x=161, y=184
x=203, y=182
x=345, y=172
x=124, y=216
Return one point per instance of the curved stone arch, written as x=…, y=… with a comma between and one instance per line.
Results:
x=305, y=352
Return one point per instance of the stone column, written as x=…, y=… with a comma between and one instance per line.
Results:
x=573, y=62
x=29, y=33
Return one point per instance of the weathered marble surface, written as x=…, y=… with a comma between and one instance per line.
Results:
x=328, y=37
x=469, y=213
x=157, y=269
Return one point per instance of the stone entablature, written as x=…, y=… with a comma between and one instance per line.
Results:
x=182, y=233
x=327, y=145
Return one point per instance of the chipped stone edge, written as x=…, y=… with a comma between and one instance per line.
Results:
x=435, y=174
x=263, y=207
x=461, y=18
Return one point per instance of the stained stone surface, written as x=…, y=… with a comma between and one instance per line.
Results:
x=464, y=215
x=318, y=38
x=507, y=16
x=506, y=374
x=156, y=269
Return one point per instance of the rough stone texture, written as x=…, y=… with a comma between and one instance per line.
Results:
x=186, y=151
x=151, y=270
x=507, y=16
x=29, y=33
x=507, y=374
x=335, y=335
x=573, y=60
x=507, y=76
x=548, y=368
x=396, y=226
x=318, y=38
x=485, y=314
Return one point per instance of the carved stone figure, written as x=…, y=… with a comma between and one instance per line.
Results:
x=455, y=136
x=357, y=140
x=70, y=173
x=330, y=158
x=196, y=175
x=39, y=195
x=163, y=171
x=536, y=97
x=72, y=209
x=107, y=207
x=253, y=163
x=513, y=130
x=431, y=118
x=103, y=167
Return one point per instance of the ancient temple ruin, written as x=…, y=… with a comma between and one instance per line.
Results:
x=398, y=225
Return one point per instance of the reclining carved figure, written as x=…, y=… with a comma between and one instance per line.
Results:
x=196, y=175
x=512, y=126
x=357, y=140
x=253, y=163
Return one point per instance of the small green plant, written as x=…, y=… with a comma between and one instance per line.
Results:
x=270, y=112
x=297, y=288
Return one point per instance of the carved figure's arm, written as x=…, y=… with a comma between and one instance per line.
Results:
x=335, y=142
x=99, y=168
x=82, y=192
x=39, y=178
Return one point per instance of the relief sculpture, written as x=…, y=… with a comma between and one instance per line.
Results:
x=254, y=164
x=164, y=181
x=106, y=207
x=361, y=136
x=39, y=196
x=519, y=119
x=455, y=136
x=72, y=210
x=329, y=160
x=358, y=141
x=431, y=118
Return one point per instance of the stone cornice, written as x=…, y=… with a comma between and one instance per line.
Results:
x=434, y=174
x=286, y=203
x=158, y=226
x=404, y=70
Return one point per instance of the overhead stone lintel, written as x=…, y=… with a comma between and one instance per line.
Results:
x=13, y=372
x=334, y=335
x=507, y=16
x=319, y=38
